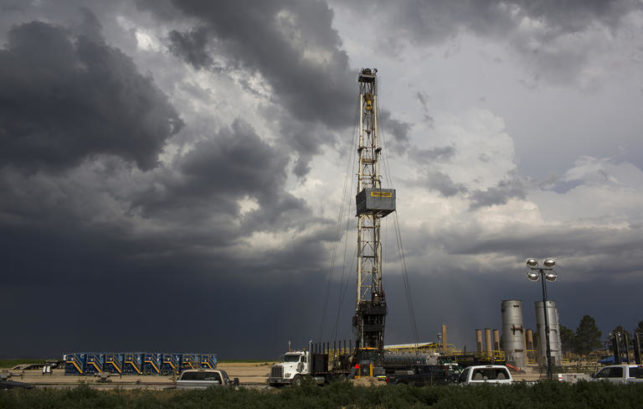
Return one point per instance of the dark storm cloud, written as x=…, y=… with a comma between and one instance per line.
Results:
x=190, y=46
x=499, y=194
x=235, y=162
x=443, y=183
x=531, y=28
x=233, y=165
x=157, y=243
x=238, y=164
x=66, y=98
x=432, y=178
x=294, y=47
x=98, y=291
x=560, y=186
x=441, y=153
x=422, y=98
x=302, y=137
x=585, y=254
x=437, y=20
x=575, y=15
x=79, y=244
x=273, y=37
x=566, y=241
x=399, y=130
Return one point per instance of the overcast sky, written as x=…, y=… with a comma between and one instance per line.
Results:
x=177, y=175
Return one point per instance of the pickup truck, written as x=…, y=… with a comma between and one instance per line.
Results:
x=423, y=375
x=620, y=374
x=203, y=378
x=481, y=374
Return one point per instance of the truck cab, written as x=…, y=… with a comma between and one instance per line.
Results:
x=291, y=370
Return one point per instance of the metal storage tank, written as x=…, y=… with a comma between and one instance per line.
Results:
x=554, y=333
x=444, y=338
x=479, y=341
x=487, y=342
x=513, y=332
x=530, y=339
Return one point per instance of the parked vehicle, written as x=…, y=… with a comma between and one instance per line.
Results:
x=292, y=368
x=203, y=378
x=480, y=374
x=423, y=375
x=571, y=377
x=299, y=365
x=620, y=374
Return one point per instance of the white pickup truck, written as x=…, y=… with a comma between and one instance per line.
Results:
x=620, y=374
x=481, y=374
x=203, y=378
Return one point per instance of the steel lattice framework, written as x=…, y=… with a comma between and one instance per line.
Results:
x=373, y=203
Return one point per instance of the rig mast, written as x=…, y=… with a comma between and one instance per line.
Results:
x=373, y=203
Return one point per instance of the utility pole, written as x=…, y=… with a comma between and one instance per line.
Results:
x=373, y=203
x=544, y=273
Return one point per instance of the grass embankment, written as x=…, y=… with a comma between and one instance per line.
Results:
x=545, y=395
x=10, y=363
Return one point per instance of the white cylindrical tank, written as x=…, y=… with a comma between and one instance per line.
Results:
x=554, y=333
x=512, y=332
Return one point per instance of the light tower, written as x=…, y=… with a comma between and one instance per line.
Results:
x=373, y=203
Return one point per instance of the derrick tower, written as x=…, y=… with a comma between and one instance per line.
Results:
x=373, y=203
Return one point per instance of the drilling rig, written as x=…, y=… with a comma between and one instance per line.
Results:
x=323, y=361
x=372, y=204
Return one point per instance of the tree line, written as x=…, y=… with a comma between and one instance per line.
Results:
x=587, y=337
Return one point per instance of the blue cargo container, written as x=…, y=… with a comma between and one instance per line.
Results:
x=113, y=362
x=93, y=363
x=189, y=361
x=132, y=363
x=135, y=363
x=170, y=364
x=208, y=361
x=151, y=363
x=75, y=363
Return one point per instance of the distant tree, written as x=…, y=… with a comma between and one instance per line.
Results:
x=588, y=336
x=620, y=329
x=567, y=339
x=640, y=327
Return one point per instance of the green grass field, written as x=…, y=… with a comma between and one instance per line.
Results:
x=10, y=363
x=547, y=395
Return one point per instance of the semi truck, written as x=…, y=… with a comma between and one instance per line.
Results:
x=297, y=366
